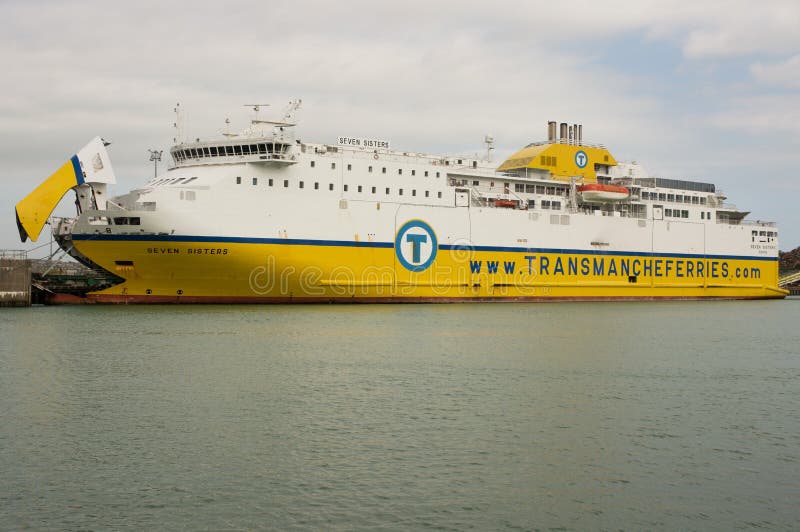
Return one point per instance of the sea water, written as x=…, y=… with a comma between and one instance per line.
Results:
x=574, y=416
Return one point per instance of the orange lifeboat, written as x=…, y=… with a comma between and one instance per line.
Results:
x=506, y=203
x=599, y=192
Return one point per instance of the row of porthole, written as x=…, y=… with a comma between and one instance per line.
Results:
x=383, y=169
x=270, y=183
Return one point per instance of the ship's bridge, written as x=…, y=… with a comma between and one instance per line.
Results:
x=561, y=157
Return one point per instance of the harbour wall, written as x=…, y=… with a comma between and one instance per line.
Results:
x=15, y=279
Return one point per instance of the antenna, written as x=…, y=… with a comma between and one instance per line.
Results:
x=178, y=124
x=227, y=131
x=489, y=141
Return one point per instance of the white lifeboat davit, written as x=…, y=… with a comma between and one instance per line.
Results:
x=600, y=192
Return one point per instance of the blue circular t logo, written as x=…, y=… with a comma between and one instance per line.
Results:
x=415, y=245
x=581, y=159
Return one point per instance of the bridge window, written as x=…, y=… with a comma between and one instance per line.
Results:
x=246, y=150
x=237, y=150
x=229, y=150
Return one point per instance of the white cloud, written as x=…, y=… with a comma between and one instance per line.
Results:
x=784, y=73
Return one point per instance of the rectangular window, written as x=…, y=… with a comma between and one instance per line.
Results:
x=550, y=191
x=213, y=151
x=702, y=201
x=285, y=183
x=519, y=187
x=670, y=197
x=349, y=167
x=413, y=172
x=545, y=204
x=426, y=173
x=255, y=180
x=373, y=190
x=369, y=169
x=427, y=193
x=246, y=150
x=531, y=203
x=679, y=198
x=399, y=171
x=662, y=196
x=313, y=164
x=333, y=166
x=476, y=183
x=684, y=214
x=667, y=212
x=556, y=205
x=437, y=175
x=330, y=186
x=530, y=189
x=237, y=150
x=316, y=185
x=414, y=192
x=301, y=184
x=345, y=188
x=270, y=181
x=400, y=191
x=238, y=180
x=540, y=189
x=360, y=188
x=383, y=170
x=439, y=194
x=387, y=190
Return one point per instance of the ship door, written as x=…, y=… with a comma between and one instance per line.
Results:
x=658, y=212
x=462, y=197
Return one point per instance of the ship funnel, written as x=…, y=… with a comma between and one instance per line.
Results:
x=551, y=131
x=563, y=136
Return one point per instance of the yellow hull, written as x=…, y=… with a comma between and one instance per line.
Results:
x=185, y=270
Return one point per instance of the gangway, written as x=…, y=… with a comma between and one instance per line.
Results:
x=790, y=279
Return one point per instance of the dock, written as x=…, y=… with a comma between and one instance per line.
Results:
x=25, y=282
x=15, y=279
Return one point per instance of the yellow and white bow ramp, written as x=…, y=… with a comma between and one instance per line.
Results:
x=91, y=165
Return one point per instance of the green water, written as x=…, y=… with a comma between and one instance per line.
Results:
x=401, y=417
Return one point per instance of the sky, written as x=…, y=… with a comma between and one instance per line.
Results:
x=702, y=90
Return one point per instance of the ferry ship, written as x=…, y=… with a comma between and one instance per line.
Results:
x=264, y=217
